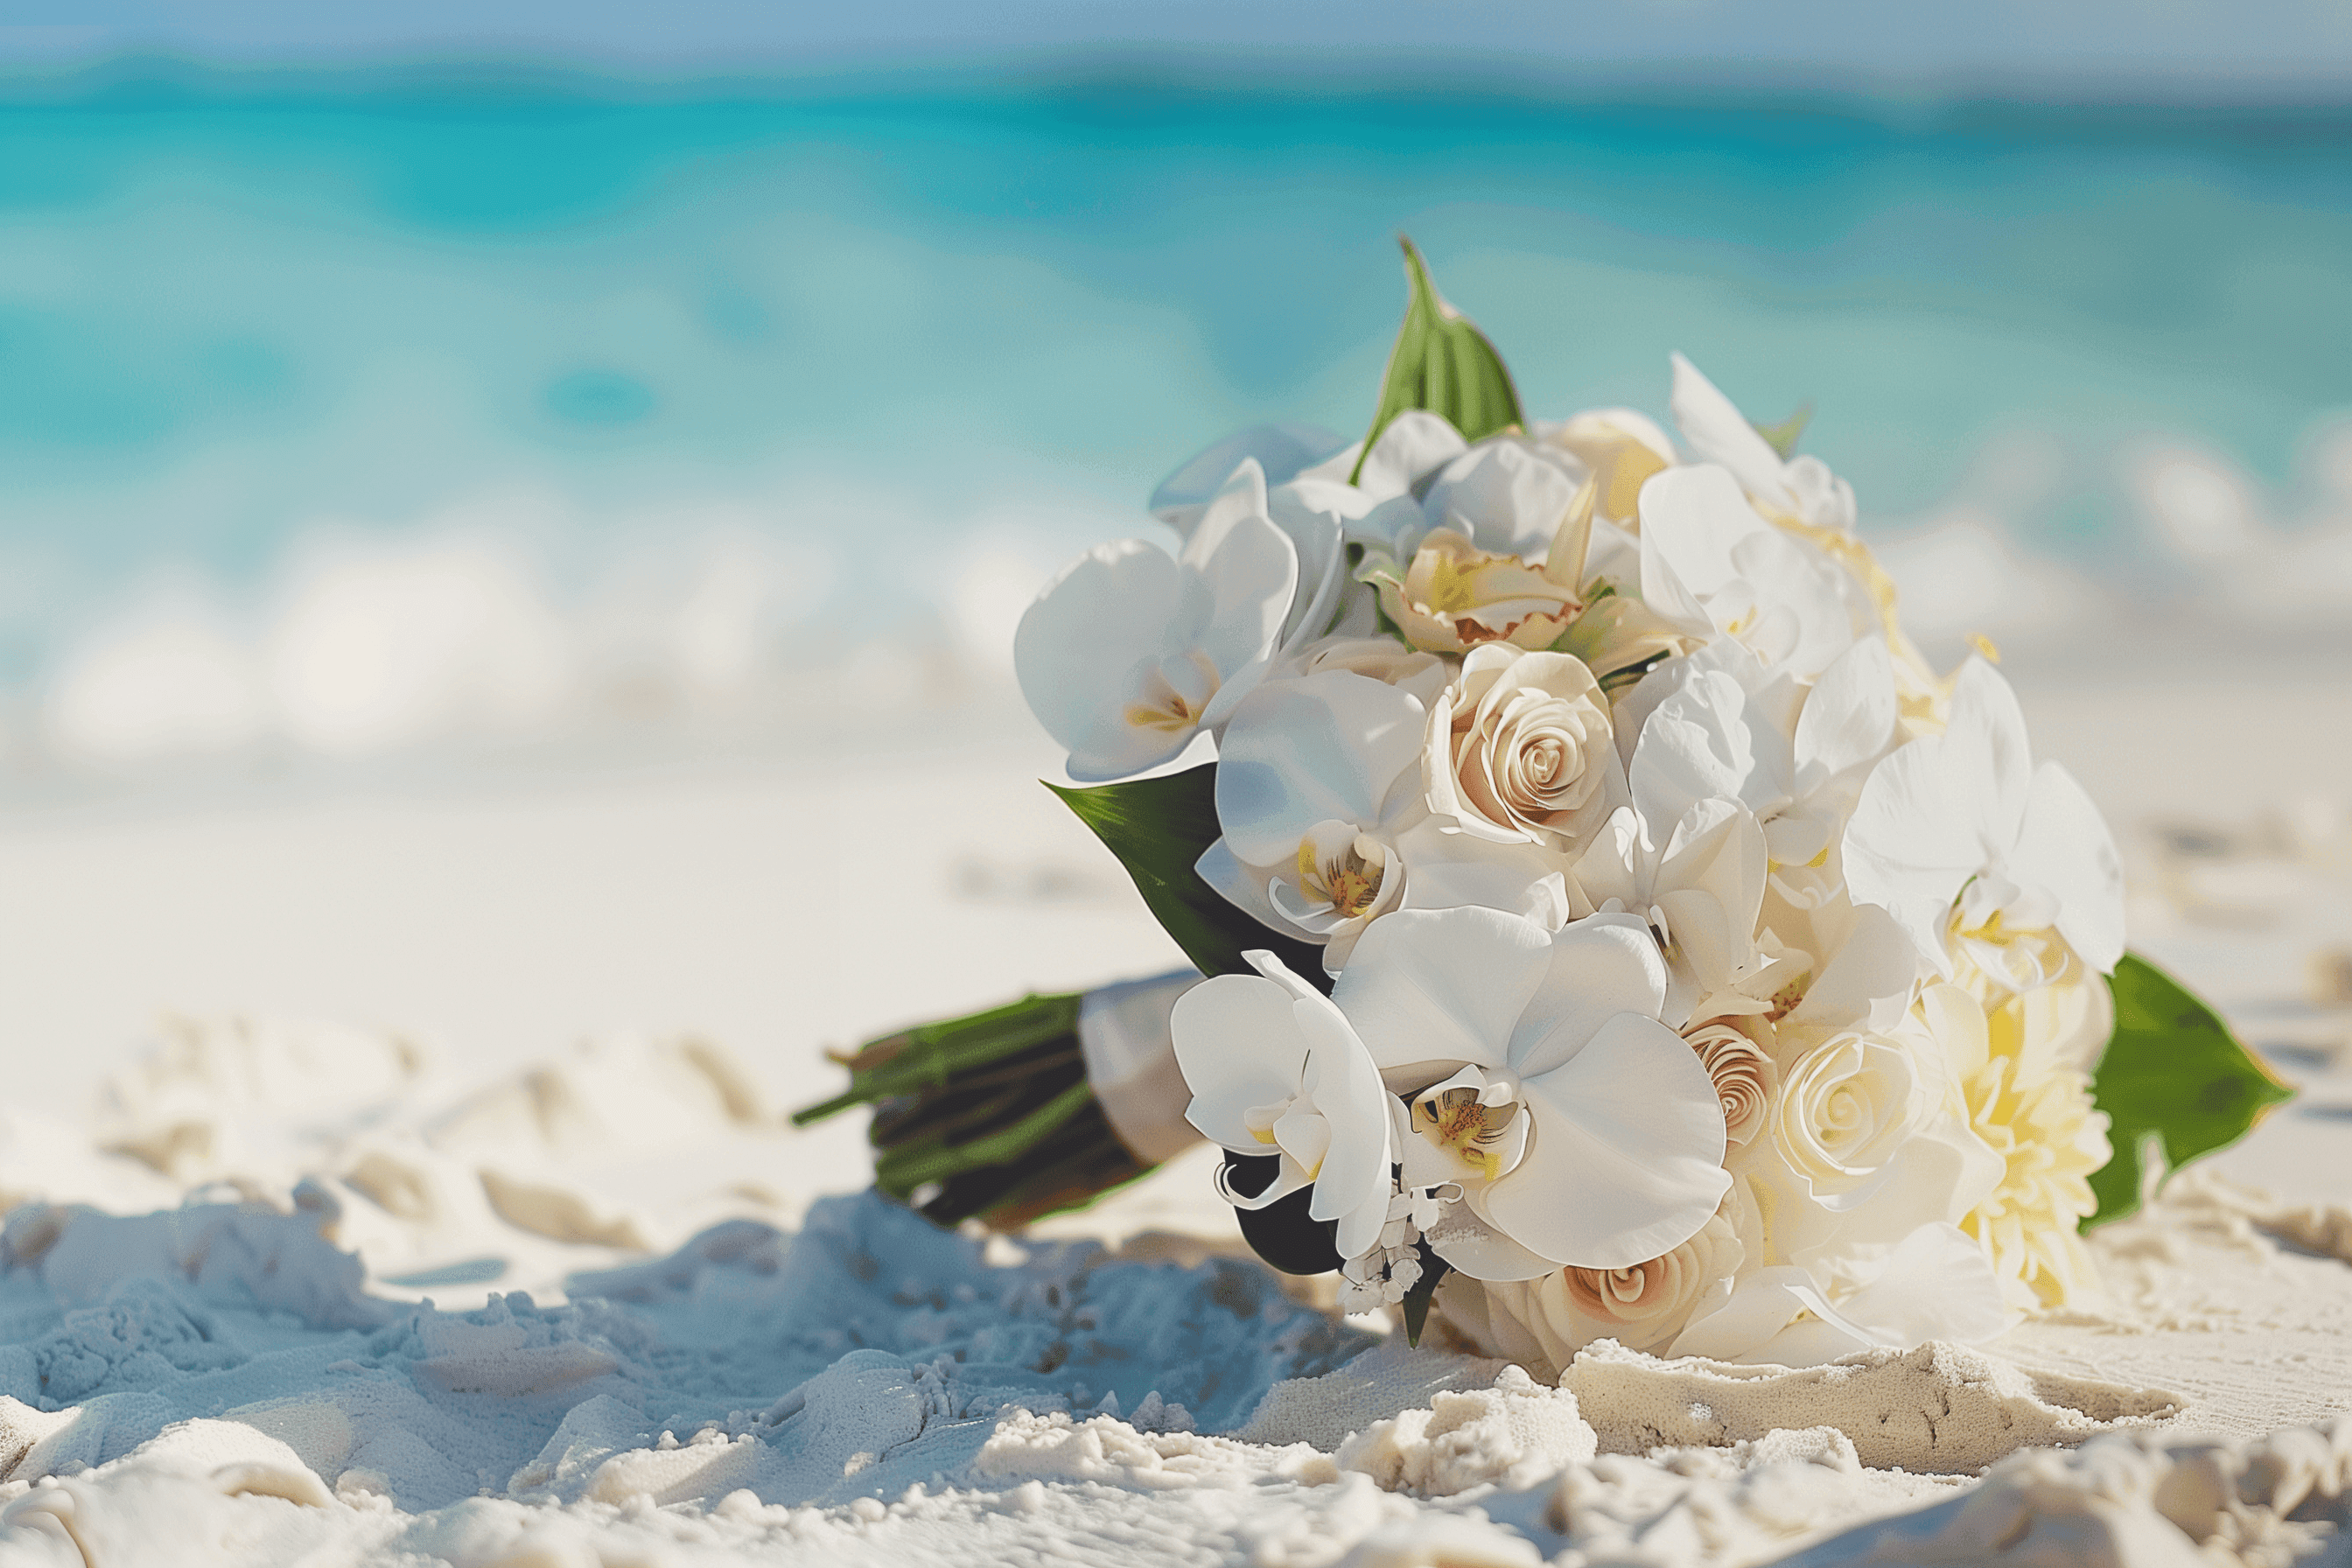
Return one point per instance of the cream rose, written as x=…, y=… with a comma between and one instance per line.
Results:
x=1517, y=746
x=1745, y=1079
x=1643, y=1307
x=1846, y=1106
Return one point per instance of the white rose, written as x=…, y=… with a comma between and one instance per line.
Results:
x=1519, y=746
x=1846, y=1106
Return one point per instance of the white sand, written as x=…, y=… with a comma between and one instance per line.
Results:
x=751, y=1380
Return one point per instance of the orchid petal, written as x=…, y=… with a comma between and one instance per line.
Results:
x=1911, y=843
x=1239, y=1047
x=1601, y=966
x=1079, y=645
x=1849, y=716
x=1693, y=519
x=1441, y=985
x=1719, y=432
x=1507, y=495
x=1250, y=569
x=2064, y=845
x=1412, y=447
x=1282, y=451
x=1322, y=748
x=1482, y=1252
x=1630, y=1126
x=1985, y=750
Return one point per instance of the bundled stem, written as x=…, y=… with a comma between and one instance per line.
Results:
x=990, y=1116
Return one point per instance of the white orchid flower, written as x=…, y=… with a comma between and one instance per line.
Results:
x=1794, y=756
x=1309, y=507
x=1324, y=815
x=1687, y=857
x=1800, y=489
x=1966, y=842
x=1713, y=568
x=1538, y=1079
x=1130, y=652
x=1275, y=1070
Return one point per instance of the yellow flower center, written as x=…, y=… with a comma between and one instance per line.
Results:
x=1452, y=586
x=1163, y=706
x=1457, y=1121
x=1348, y=881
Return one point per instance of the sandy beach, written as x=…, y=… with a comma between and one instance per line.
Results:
x=521, y=1048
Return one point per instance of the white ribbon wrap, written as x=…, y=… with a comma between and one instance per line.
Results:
x=1132, y=1063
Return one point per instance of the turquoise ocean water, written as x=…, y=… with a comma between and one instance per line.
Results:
x=238, y=309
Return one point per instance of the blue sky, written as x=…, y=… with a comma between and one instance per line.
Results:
x=2173, y=48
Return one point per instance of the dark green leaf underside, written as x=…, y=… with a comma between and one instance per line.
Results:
x=1159, y=827
x=2174, y=1074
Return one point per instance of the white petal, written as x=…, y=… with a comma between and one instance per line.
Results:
x=2065, y=847
x=1282, y=451
x=1250, y=569
x=1413, y=444
x=1480, y=1251
x=1242, y=886
x=1986, y=748
x=1625, y=1159
x=1078, y=647
x=1507, y=495
x=1353, y=1184
x=1695, y=747
x=1330, y=747
x=1699, y=517
x=1692, y=520
x=1912, y=842
x=1711, y=885
x=1600, y=966
x=1454, y=870
x=1866, y=983
x=1849, y=716
x=1759, y=1307
x=1938, y=1285
x=1314, y=527
x=1238, y=1046
x=1441, y=985
x=1719, y=432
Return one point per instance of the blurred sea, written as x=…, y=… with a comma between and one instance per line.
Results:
x=350, y=414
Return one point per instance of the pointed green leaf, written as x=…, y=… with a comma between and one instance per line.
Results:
x=2173, y=1073
x=1158, y=827
x=1443, y=363
x=1784, y=437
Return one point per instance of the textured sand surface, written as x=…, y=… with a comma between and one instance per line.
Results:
x=662, y=1331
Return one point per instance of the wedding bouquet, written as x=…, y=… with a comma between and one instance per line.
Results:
x=1613, y=926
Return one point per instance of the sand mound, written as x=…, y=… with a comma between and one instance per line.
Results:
x=1938, y=1407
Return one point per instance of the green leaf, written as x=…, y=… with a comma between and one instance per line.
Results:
x=1443, y=363
x=1434, y=1269
x=1158, y=827
x=2172, y=1073
x=1784, y=437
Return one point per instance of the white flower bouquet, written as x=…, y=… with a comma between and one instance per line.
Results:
x=1612, y=927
